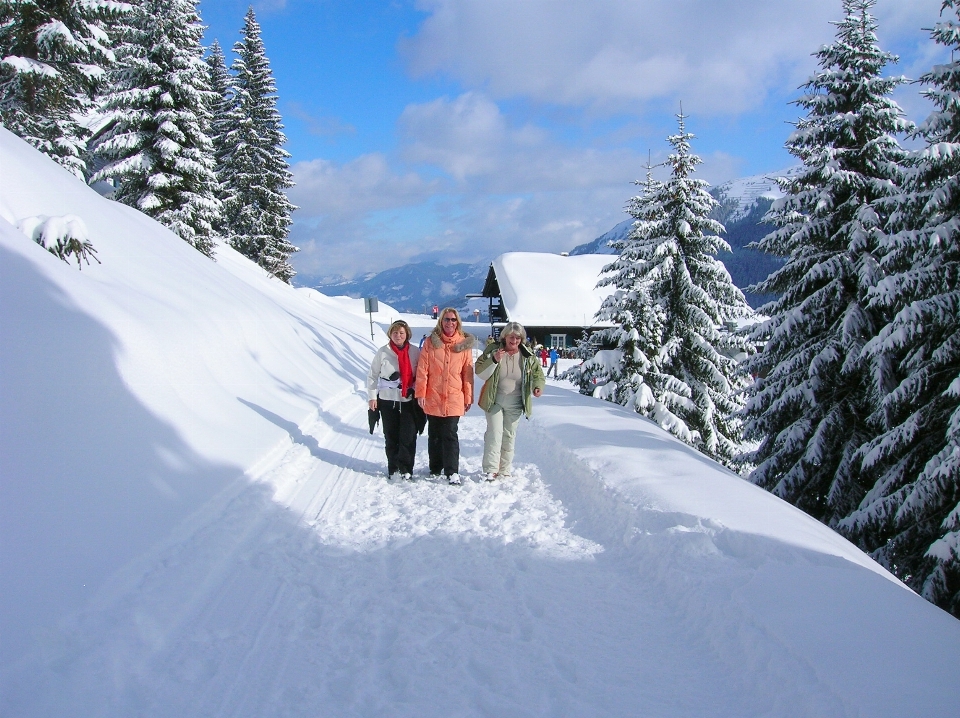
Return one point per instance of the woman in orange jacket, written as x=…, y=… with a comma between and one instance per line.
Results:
x=445, y=391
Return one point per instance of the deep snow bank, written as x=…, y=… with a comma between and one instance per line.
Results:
x=133, y=390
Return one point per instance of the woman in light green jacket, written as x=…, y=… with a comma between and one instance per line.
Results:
x=513, y=377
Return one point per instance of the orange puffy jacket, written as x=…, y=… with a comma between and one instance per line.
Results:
x=445, y=374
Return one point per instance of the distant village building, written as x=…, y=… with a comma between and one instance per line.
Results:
x=554, y=296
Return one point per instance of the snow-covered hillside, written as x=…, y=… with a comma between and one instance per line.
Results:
x=740, y=196
x=194, y=521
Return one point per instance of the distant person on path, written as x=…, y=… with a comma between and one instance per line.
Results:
x=512, y=377
x=445, y=391
x=390, y=390
x=554, y=356
x=543, y=356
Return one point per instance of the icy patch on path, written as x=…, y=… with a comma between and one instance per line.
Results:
x=334, y=479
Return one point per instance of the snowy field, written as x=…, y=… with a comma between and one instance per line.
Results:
x=194, y=521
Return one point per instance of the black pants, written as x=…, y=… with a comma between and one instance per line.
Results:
x=400, y=434
x=443, y=444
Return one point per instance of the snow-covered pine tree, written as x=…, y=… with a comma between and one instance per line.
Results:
x=221, y=108
x=810, y=407
x=53, y=57
x=596, y=363
x=255, y=171
x=635, y=317
x=910, y=518
x=154, y=145
x=673, y=301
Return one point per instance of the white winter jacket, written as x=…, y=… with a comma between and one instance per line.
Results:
x=385, y=365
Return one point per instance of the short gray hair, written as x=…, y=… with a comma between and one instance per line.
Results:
x=514, y=328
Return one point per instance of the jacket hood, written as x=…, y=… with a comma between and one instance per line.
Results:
x=463, y=345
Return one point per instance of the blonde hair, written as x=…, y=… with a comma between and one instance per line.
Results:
x=513, y=328
x=401, y=325
x=439, y=328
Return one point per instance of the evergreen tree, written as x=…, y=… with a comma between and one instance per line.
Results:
x=255, y=167
x=810, y=409
x=636, y=318
x=910, y=518
x=155, y=144
x=672, y=303
x=54, y=56
x=596, y=364
x=221, y=109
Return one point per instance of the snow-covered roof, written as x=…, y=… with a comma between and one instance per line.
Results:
x=551, y=290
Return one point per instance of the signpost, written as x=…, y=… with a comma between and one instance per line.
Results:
x=371, y=305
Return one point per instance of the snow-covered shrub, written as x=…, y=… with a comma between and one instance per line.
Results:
x=64, y=236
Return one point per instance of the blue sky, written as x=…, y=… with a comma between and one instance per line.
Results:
x=454, y=130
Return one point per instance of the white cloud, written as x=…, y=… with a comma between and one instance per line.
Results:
x=723, y=56
x=473, y=142
x=501, y=188
x=339, y=225
x=325, y=188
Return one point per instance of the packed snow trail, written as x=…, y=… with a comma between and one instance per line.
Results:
x=324, y=589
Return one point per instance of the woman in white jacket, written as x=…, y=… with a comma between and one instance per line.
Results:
x=390, y=389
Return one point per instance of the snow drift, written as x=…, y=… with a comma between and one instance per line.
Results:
x=194, y=521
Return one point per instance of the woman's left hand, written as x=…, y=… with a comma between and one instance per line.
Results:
x=537, y=392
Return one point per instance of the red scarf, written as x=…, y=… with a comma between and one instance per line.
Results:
x=406, y=371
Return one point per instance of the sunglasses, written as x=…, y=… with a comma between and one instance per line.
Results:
x=450, y=319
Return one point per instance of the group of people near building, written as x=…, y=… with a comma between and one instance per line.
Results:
x=432, y=386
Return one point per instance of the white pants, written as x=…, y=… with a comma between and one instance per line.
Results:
x=498, y=440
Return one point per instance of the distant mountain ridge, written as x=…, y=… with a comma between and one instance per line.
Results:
x=416, y=287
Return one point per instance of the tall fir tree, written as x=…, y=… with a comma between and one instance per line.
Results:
x=910, y=518
x=810, y=408
x=636, y=319
x=221, y=108
x=154, y=145
x=671, y=306
x=255, y=170
x=54, y=57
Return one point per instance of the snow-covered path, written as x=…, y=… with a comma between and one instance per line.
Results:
x=364, y=597
x=324, y=589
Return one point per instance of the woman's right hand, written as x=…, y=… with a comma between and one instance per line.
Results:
x=373, y=404
x=497, y=356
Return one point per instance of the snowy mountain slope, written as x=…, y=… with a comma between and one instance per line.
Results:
x=193, y=522
x=738, y=197
x=601, y=245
